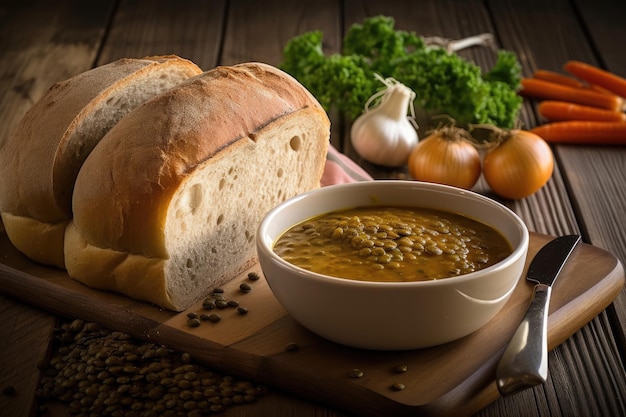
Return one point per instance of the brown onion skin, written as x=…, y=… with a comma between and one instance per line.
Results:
x=445, y=157
x=519, y=166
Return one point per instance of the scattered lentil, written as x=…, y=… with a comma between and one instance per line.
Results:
x=356, y=373
x=245, y=287
x=242, y=310
x=214, y=318
x=253, y=276
x=401, y=369
x=292, y=347
x=194, y=322
x=398, y=386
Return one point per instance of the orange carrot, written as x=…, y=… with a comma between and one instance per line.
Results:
x=597, y=76
x=583, y=132
x=563, y=110
x=556, y=77
x=600, y=89
x=532, y=87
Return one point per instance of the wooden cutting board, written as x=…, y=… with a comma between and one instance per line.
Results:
x=454, y=379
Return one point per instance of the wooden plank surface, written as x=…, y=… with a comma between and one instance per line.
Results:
x=254, y=346
x=606, y=222
x=20, y=357
x=142, y=28
x=41, y=43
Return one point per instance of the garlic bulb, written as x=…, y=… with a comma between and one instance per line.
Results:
x=385, y=135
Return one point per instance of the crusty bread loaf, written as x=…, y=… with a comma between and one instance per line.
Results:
x=167, y=205
x=40, y=161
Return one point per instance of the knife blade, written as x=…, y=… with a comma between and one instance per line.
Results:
x=524, y=362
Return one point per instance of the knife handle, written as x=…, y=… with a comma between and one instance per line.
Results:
x=524, y=362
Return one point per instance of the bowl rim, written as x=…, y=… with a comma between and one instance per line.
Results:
x=266, y=247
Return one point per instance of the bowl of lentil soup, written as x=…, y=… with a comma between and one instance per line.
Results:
x=392, y=265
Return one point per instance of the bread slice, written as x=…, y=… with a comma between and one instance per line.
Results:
x=167, y=205
x=40, y=161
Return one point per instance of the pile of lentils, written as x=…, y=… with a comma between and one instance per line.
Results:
x=99, y=372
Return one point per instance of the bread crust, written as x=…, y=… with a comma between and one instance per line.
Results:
x=135, y=172
x=149, y=153
x=40, y=161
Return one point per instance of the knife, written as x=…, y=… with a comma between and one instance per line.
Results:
x=524, y=362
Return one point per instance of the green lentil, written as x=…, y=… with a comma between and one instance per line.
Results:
x=218, y=297
x=193, y=322
x=356, y=373
x=398, y=386
x=401, y=369
x=214, y=318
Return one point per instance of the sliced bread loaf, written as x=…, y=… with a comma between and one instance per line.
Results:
x=167, y=205
x=40, y=161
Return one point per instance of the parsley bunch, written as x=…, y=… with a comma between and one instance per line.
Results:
x=443, y=81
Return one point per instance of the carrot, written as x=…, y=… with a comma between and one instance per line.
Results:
x=600, y=89
x=563, y=110
x=556, y=77
x=532, y=87
x=583, y=132
x=597, y=76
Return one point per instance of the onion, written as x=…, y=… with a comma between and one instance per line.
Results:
x=519, y=165
x=446, y=156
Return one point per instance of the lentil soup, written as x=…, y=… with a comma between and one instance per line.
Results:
x=392, y=244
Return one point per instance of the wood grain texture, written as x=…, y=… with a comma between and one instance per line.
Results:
x=31, y=333
x=248, y=37
x=604, y=22
x=191, y=30
x=254, y=346
x=38, y=49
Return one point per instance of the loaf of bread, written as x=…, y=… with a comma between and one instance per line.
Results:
x=167, y=205
x=39, y=162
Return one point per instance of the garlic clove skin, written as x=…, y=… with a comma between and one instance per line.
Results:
x=382, y=140
x=384, y=135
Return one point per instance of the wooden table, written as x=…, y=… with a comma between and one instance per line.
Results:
x=42, y=42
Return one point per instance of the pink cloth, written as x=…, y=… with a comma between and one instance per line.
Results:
x=340, y=169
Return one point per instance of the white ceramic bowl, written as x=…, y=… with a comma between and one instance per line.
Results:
x=392, y=315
